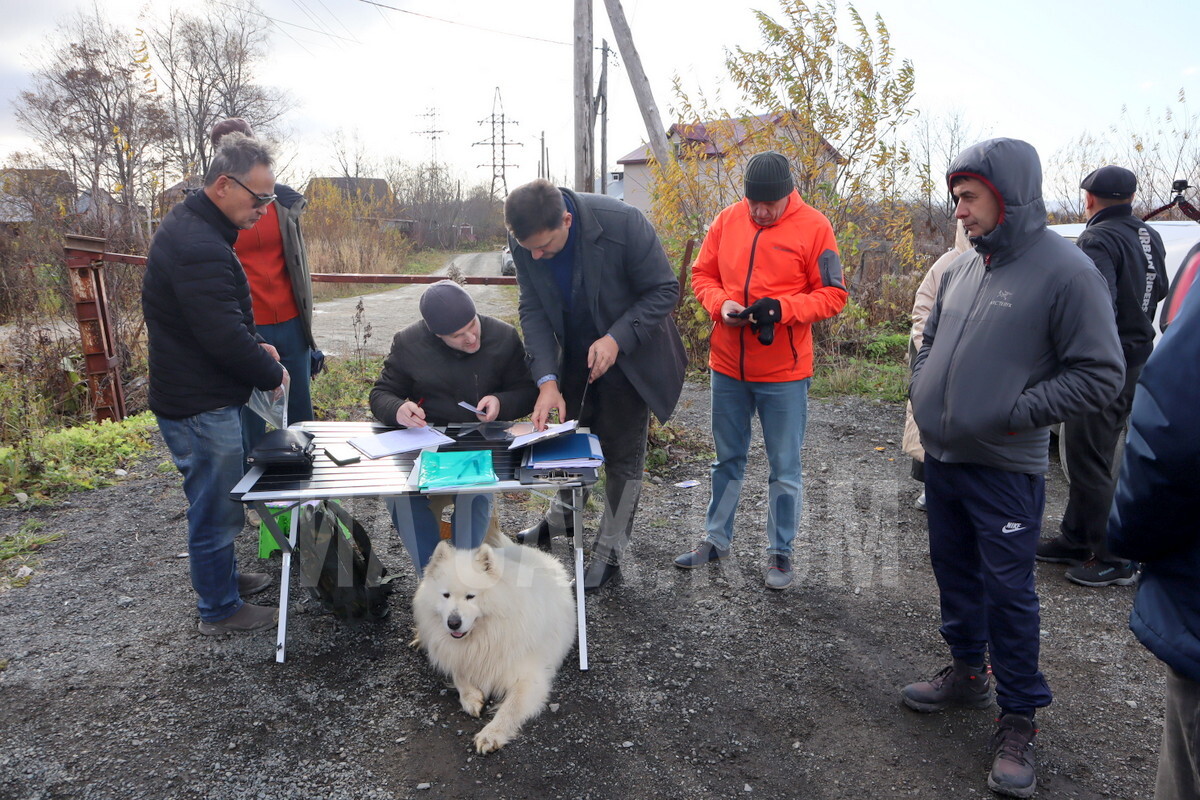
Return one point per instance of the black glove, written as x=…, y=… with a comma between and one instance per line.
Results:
x=763, y=313
x=316, y=362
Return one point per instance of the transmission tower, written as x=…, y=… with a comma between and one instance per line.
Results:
x=433, y=133
x=498, y=144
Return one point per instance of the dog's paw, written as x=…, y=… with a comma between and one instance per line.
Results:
x=415, y=644
x=472, y=701
x=491, y=739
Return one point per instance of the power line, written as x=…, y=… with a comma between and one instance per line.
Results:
x=285, y=22
x=464, y=24
x=337, y=19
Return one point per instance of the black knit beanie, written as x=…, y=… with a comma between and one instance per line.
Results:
x=446, y=308
x=768, y=177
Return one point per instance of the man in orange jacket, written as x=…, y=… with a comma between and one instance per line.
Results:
x=768, y=269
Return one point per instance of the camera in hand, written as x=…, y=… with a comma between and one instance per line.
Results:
x=762, y=314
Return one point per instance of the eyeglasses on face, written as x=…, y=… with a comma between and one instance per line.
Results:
x=260, y=200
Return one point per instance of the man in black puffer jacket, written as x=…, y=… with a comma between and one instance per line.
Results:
x=205, y=359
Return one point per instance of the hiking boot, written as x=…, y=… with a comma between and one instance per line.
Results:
x=248, y=618
x=959, y=684
x=1012, y=767
x=779, y=573
x=919, y=503
x=252, y=582
x=701, y=555
x=598, y=574
x=1103, y=573
x=1058, y=551
x=537, y=535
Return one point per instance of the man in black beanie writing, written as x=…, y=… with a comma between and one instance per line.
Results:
x=449, y=356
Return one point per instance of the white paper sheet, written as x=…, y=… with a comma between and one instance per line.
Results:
x=404, y=440
x=550, y=432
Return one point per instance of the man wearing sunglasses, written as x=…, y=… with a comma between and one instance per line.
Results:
x=205, y=358
x=276, y=264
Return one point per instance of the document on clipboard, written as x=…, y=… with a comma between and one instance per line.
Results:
x=540, y=436
x=404, y=440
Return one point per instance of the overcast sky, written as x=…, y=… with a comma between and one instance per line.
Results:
x=1042, y=71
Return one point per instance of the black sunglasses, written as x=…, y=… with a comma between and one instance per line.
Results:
x=260, y=200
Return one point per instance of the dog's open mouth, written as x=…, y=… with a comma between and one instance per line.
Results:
x=458, y=634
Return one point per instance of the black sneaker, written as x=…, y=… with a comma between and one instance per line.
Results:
x=1058, y=551
x=1103, y=573
x=1012, y=766
x=959, y=684
x=702, y=554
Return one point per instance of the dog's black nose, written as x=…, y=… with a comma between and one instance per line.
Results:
x=454, y=622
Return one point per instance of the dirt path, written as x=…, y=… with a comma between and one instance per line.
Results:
x=703, y=684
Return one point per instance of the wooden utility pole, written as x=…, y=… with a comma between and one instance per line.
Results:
x=583, y=97
x=655, y=132
x=602, y=109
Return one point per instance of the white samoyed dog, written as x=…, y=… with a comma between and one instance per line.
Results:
x=498, y=621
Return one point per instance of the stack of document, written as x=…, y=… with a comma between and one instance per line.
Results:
x=565, y=452
x=551, y=431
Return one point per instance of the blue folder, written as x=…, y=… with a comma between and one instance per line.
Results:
x=567, y=448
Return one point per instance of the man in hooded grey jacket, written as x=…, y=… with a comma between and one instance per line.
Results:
x=1021, y=336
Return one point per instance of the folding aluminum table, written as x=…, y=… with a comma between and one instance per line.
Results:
x=387, y=477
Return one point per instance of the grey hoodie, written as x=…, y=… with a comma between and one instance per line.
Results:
x=1022, y=334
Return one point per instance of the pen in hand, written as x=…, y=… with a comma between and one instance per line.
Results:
x=410, y=414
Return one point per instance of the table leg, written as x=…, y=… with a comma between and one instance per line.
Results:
x=284, y=584
x=581, y=614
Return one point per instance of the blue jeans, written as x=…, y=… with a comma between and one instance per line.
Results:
x=207, y=449
x=288, y=338
x=782, y=410
x=417, y=519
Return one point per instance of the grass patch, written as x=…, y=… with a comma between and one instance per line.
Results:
x=81, y=457
x=17, y=559
x=341, y=392
x=862, y=377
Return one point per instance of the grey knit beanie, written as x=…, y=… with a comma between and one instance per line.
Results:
x=446, y=308
x=768, y=177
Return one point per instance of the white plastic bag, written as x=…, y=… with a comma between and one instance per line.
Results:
x=271, y=408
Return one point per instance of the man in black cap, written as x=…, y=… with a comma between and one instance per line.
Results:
x=1129, y=254
x=768, y=269
x=596, y=297
x=451, y=355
